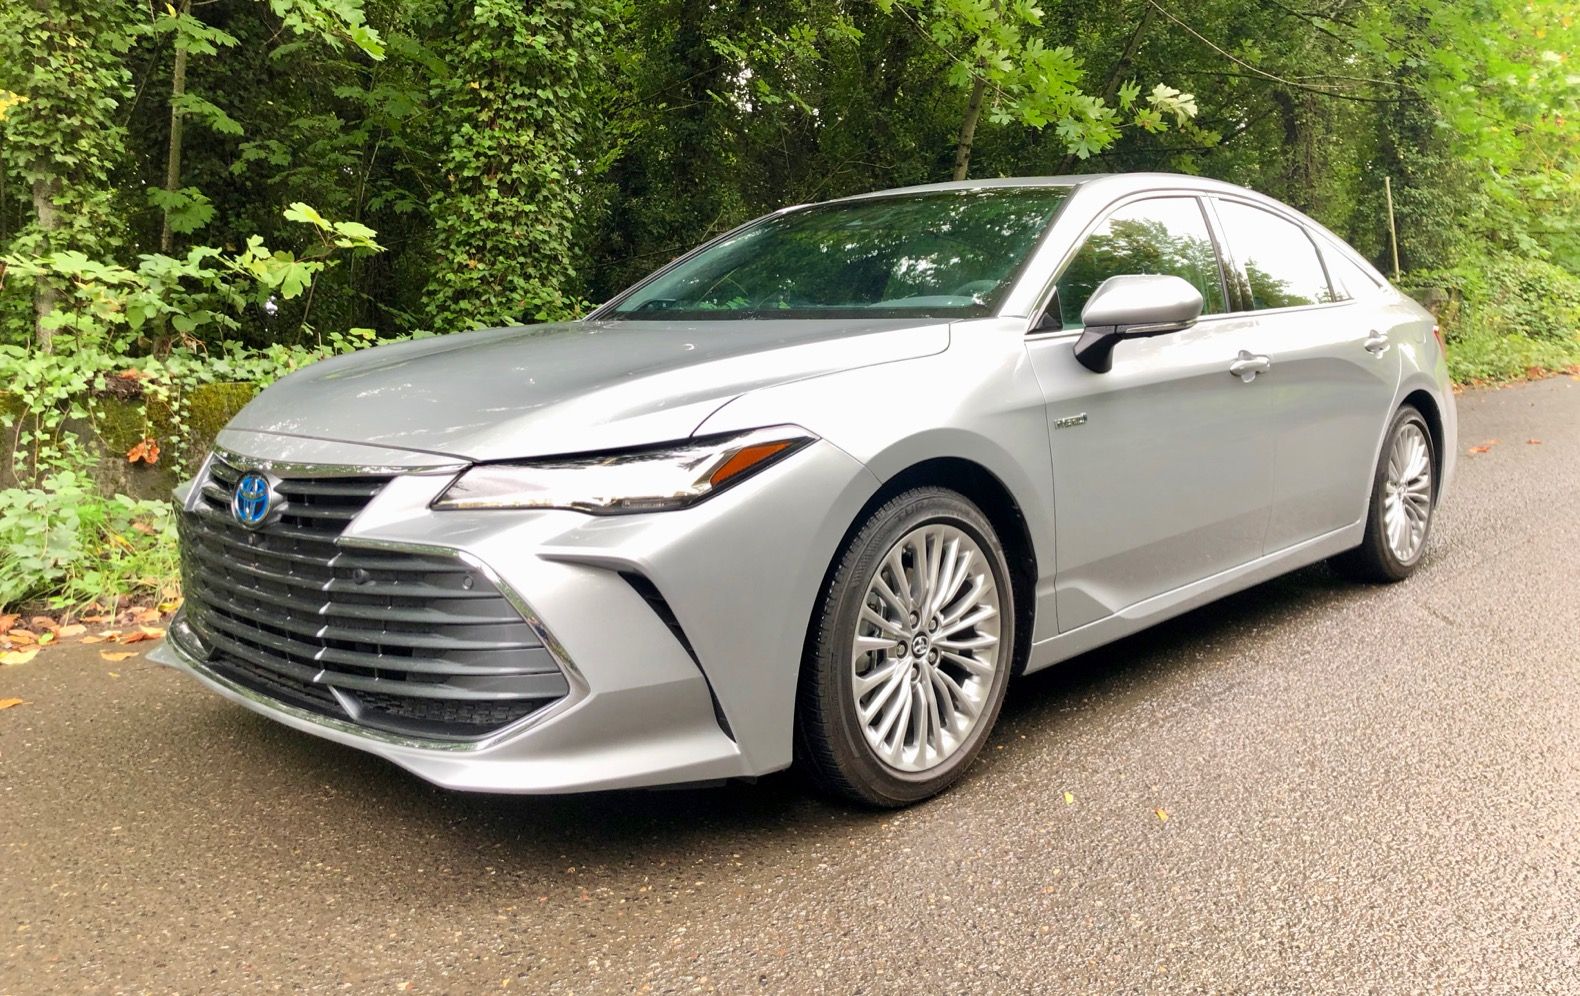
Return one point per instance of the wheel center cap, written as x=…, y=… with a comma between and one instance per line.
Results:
x=920, y=644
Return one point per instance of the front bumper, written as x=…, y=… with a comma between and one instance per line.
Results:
x=740, y=574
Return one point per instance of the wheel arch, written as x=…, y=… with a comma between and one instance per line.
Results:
x=1422, y=401
x=988, y=492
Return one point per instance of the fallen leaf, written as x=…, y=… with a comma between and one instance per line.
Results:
x=96, y=619
x=136, y=636
x=71, y=629
x=22, y=636
x=115, y=674
x=44, y=622
x=8, y=620
x=93, y=639
x=147, y=451
x=18, y=656
x=152, y=632
x=170, y=606
x=46, y=637
x=1484, y=447
x=1163, y=815
x=117, y=655
x=8, y=703
x=1533, y=442
x=1069, y=798
x=146, y=615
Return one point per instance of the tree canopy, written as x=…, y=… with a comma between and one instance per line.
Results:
x=521, y=160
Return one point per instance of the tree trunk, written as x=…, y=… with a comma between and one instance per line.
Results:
x=45, y=295
x=178, y=87
x=968, y=128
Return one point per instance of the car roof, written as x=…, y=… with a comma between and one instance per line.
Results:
x=1114, y=183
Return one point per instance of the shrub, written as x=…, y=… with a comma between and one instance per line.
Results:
x=1511, y=317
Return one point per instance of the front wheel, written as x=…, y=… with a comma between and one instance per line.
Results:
x=911, y=652
x=1404, y=498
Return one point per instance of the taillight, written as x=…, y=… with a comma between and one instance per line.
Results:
x=1437, y=332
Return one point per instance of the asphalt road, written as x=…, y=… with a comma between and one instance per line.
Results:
x=1366, y=789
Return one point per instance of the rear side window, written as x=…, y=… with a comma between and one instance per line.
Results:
x=1279, y=265
x=1350, y=279
x=1164, y=235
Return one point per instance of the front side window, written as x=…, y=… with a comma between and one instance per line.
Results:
x=1279, y=265
x=1164, y=235
x=945, y=254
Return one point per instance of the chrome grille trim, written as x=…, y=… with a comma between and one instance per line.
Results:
x=420, y=642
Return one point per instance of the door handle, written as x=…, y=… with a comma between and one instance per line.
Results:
x=1249, y=365
x=1376, y=343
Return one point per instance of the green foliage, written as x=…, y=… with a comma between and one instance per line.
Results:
x=64, y=65
x=64, y=542
x=1001, y=46
x=1509, y=317
x=69, y=538
x=1477, y=356
x=514, y=108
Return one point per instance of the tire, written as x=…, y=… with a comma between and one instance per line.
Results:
x=1406, y=476
x=894, y=745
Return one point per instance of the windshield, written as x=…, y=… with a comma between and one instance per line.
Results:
x=946, y=254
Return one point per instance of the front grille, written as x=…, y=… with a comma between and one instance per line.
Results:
x=423, y=645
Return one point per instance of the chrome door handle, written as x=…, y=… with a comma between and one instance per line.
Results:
x=1249, y=365
x=1376, y=343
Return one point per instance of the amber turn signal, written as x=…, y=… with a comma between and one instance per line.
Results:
x=746, y=458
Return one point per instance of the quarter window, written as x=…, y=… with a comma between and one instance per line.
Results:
x=1165, y=235
x=1350, y=279
x=1279, y=265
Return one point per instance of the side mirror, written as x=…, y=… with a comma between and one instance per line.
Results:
x=1133, y=306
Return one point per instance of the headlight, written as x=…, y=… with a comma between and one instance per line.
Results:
x=648, y=479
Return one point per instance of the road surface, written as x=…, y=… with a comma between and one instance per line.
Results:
x=1366, y=788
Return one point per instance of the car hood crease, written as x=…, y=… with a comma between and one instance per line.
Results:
x=566, y=388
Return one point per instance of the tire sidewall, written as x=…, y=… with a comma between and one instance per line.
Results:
x=864, y=555
x=1376, y=525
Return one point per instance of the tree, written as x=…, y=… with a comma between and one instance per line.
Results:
x=63, y=63
x=514, y=109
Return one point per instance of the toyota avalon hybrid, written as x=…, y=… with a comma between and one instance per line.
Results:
x=816, y=491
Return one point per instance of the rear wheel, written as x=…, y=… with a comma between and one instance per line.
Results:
x=911, y=652
x=1404, y=499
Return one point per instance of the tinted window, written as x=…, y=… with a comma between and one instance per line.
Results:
x=1350, y=279
x=1279, y=261
x=947, y=254
x=1166, y=235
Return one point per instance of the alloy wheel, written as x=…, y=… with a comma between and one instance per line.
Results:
x=926, y=647
x=1407, y=492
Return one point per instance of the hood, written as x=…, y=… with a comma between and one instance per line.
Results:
x=566, y=388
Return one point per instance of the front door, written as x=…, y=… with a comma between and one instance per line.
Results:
x=1163, y=465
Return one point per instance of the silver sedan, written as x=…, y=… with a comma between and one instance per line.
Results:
x=816, y=491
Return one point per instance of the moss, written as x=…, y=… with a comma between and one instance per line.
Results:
x=119, y=423
x=211, y=406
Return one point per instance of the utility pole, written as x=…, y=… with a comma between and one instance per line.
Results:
x=1393, y=233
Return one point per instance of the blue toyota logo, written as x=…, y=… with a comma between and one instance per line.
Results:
x=250, y=502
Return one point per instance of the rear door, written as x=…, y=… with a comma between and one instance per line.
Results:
x=1162, y=466
x=1334, y=369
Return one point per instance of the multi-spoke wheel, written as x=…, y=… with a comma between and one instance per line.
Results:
x=1404, y=496
x=912, y=649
